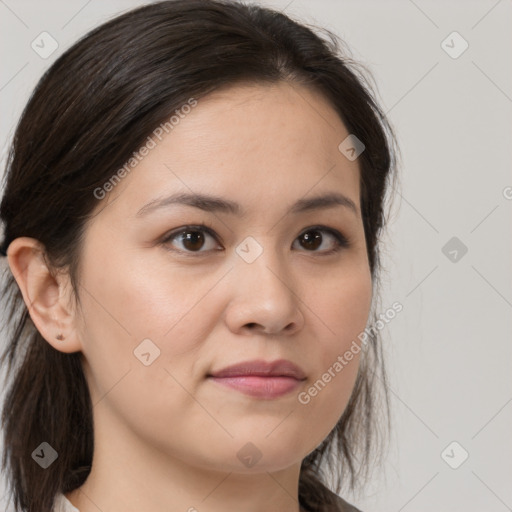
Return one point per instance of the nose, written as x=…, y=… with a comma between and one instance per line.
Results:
x=264, y=300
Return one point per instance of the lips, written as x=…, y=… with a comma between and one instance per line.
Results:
x=261, y=379
x=260, y=368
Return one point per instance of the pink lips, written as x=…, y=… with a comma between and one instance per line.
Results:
x=261, y=379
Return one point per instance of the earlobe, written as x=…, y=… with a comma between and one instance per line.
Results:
x=43, y=293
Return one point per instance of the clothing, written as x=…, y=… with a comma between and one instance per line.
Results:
x=62, y=504
x=341, y=504
x=345, y=506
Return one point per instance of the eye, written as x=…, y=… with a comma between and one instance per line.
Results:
x=312, y=239
x=192, y=238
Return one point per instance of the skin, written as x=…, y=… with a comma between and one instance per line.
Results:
x=166, y=437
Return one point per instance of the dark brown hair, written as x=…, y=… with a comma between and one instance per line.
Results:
x=90, y=111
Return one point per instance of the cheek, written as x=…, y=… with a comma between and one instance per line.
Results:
x=343, y=313
x=343, y=306
x=137, y=299
x=122, y=307
x=126, y=301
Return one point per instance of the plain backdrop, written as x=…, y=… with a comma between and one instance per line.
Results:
x=447, y=252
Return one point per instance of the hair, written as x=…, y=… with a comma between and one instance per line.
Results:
x=89, y=112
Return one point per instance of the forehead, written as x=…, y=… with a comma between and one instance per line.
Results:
x=280, y=140
x=273, y=119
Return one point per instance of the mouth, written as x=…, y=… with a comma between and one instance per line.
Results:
x=261, y=379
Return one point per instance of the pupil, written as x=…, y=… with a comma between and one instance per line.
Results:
x=193, y=240
x=312, y=241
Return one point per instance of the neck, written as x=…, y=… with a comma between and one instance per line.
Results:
x=128, y=475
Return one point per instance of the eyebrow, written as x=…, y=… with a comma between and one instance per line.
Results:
x=210, y=203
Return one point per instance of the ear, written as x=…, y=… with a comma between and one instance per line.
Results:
x=46, y=294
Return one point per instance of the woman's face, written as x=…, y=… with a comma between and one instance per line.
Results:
x=162, y=311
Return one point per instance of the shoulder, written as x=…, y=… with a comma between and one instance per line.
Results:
x=62, y=504
x=340, y=505
x=344, y=506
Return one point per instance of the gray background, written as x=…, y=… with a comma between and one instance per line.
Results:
x=449, y=350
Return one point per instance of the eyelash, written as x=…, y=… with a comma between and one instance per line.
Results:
x=341, y=242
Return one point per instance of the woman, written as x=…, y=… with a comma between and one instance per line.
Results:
x=192, y=207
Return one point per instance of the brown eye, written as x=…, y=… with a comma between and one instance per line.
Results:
x=311, y=240
x=192, y=239
x=316, y=237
